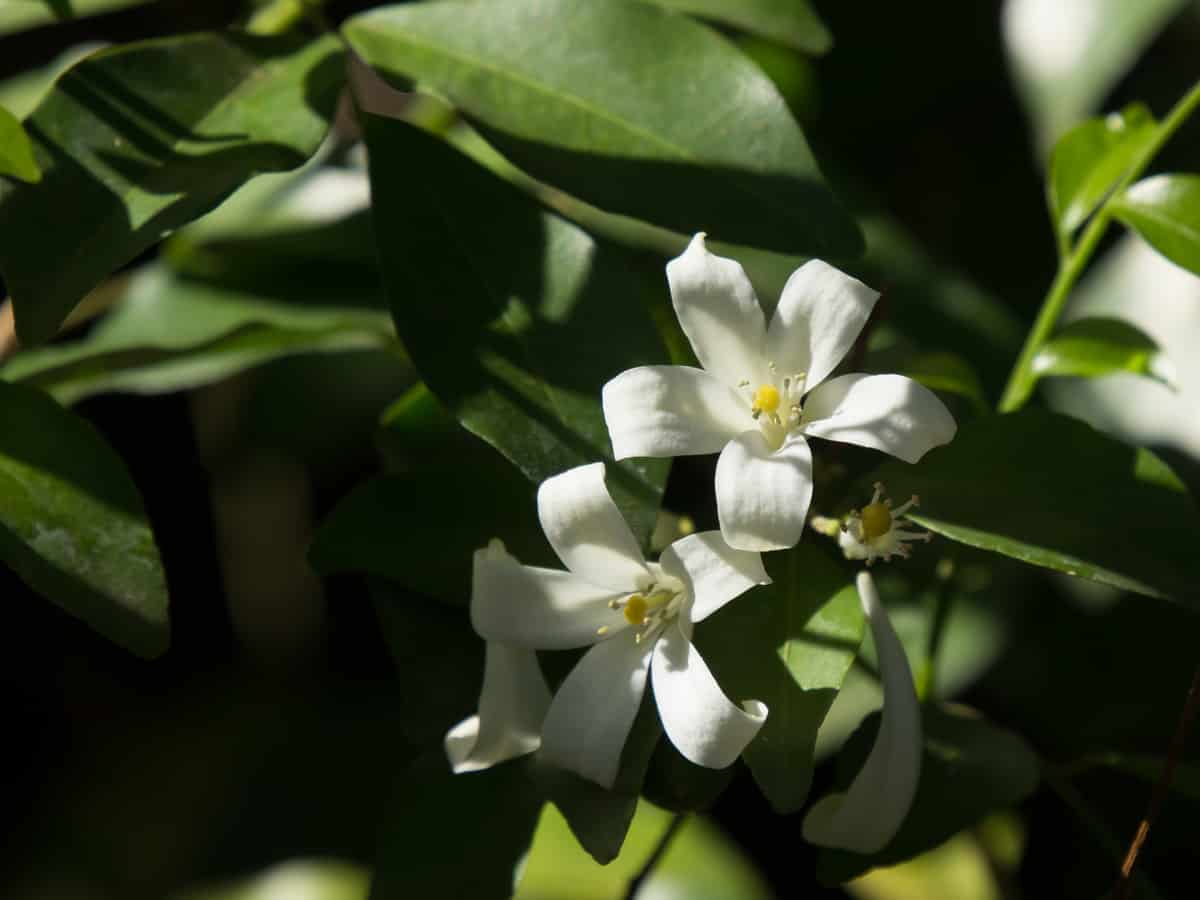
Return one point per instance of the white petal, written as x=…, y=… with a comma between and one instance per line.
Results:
x=671, y=411
x=869, y=814
x=591, y=714
x=820, y=314
x=719, y=313
x=539, y=608
x=702, y=723
x=763, y=497
x=714, y=572
x=886, y=412
x=512, y=705
x=586, y=529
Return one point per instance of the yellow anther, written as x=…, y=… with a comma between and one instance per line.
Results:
x=635, y=609
x=876, y=520
x=766, y=399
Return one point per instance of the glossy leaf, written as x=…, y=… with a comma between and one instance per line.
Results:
x=1090, y=348
x=1067, y=56
x=631, y=108
x=791, y=22
x=790, y=645
x=1090, y=159
x=514, y=318
x=1165, y=211
x=16, y=153
x=72, y=524
x=19, y=15
x=970, y=768
x=135, y=143
x=1051, y=491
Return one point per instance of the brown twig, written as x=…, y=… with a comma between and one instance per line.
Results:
x=8, y=330
x=1161, y=788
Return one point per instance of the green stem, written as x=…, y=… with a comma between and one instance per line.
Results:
x=1071, y=265
x=280, y=16
x=939, y=613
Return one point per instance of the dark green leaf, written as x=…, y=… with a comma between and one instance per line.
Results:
x=676, y=784
x=72, y=524
x=16, y=153
x=630, y=107
x=1089, y=348
x=791, y=22
x=18, y=15
x=789, y=645
x=1090, y=159
x=1165, y=211
x=1049, y=490
x=969, y=768
x=513, y=317
x=138, y=140
x=947, y=372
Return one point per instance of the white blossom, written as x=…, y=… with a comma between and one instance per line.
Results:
x=762, y=392
x=877, y=530
x=636, y=616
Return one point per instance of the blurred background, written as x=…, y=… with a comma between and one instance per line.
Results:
x=247, y=761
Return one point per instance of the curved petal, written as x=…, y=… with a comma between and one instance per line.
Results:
x=587, y=531
x=714, y=572
x=869, y=814
x=702, y=723
x=886, y=412
x=543, y=609
x=671, y=411
x=820, y=314
x=719, y=312
x=590, y=716
x=763, y=497
x=512, y=705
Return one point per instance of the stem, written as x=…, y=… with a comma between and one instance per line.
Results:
x=1021, y=381
x=280, y=16
x=939, y=613
x=660, y=849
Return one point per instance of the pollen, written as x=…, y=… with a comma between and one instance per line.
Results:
x=876, y=520
x=635, y=609
x=766, y=399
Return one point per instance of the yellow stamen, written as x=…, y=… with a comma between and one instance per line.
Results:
x=766, y=399
x=876, y=520
x=635, y=609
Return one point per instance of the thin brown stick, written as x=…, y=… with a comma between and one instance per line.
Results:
x=8, y=330
x=1161, y=788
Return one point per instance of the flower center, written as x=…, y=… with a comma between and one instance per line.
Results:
x=777, y=405
x=766, y=400
x=651, y=608
x=876, y=520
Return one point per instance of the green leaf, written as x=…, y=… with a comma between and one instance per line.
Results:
x=970, y=768
x=513, y=317
x=135, y=144
x=947, y=372
x=699, y=862
x=630, y=107
x=1066, y=58
x=1051, y=491
x=791, y=22
x=1090, y=159
x=72, y=524
x=1089, y=348
x=790, y=645
x=19, y=15
x=16, y=153
x=1165, y=211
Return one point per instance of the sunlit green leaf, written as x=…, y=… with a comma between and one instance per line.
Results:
x=323, y=880
x=138, y=140
x=1090, y=348
x=1090, y=159
x=18, y=15
x=789, y=644
x=1165, y=211
x=72, y=524
x=1051, y=491
x=970, y=768
x=16, y=153
x=695, y=138
x=514, y=318
x=791, y=22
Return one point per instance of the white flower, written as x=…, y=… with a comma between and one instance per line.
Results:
x=868, y=815
x=762, y=392
x=639, y=615
x=875, y=531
